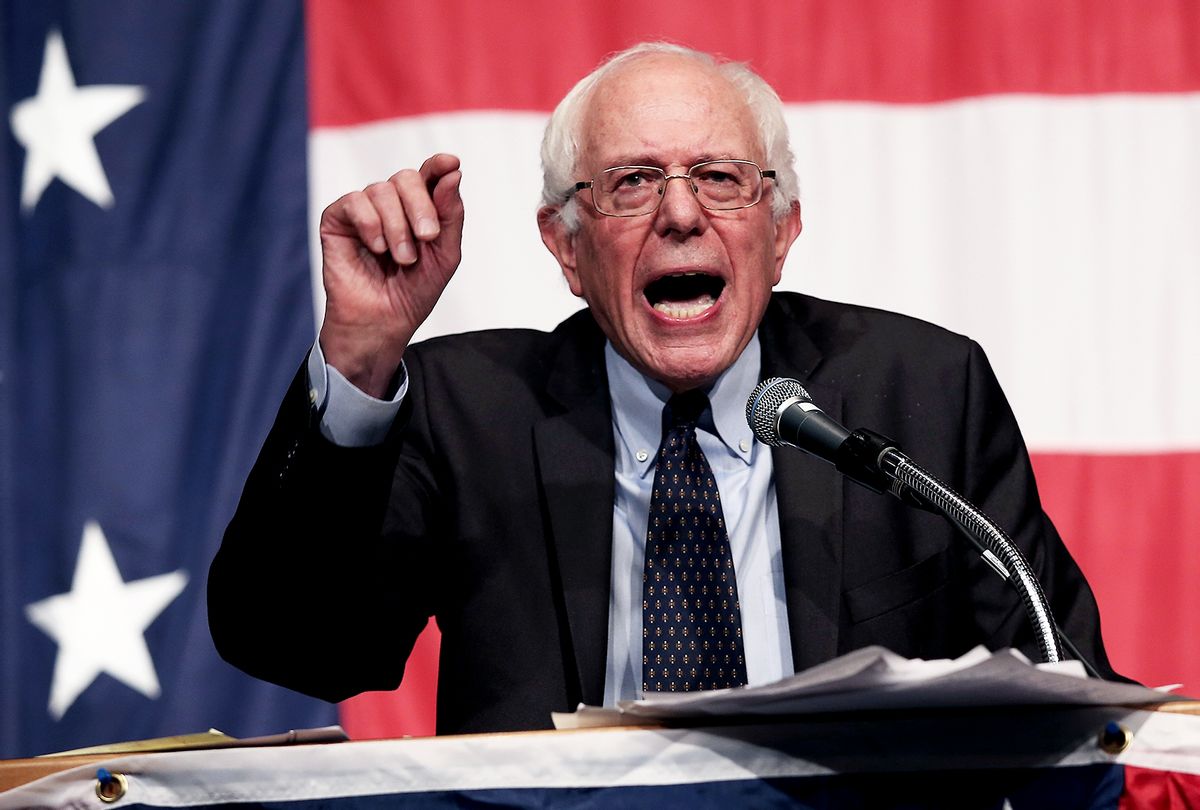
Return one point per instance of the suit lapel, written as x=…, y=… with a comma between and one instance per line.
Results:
x=809, y=494
x=575, y=455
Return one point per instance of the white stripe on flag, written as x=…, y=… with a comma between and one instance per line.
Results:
x=1060, y=232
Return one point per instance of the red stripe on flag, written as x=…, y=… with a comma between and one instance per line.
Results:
x=1133, y=524
x=1161, y=790
x=409, y=711
x=379, y=59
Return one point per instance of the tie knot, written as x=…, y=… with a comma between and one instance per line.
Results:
x=684, y=410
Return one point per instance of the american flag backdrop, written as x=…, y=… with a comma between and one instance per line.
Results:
x=1027, y=173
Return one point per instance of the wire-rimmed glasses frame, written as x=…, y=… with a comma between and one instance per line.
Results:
x=634, y=191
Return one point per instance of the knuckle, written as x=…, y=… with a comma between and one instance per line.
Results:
x=407, y=177
x=376, y=190
x=432, y=162
x=342, y=205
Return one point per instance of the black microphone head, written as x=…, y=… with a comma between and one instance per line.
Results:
x=762, y=408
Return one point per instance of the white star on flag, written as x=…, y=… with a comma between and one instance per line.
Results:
x=57, y=127
x=99, y=624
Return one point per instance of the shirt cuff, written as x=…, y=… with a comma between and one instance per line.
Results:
x=349, y=417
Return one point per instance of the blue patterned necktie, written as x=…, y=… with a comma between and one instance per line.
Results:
x=691, y=616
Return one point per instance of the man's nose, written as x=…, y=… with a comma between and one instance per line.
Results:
x=680, y=213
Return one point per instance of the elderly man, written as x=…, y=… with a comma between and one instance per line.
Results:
x=585, y=512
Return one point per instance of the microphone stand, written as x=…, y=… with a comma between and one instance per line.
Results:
x=869, y=450
x=872, y=460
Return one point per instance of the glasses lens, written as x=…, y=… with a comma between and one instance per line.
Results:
x=628, y=190
x=727, y=184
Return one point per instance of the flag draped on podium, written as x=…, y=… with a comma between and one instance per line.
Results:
x=1022, y=172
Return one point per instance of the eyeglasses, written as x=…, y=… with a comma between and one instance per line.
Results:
x=719, y=185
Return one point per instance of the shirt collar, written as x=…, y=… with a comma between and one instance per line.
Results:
x=637, y=404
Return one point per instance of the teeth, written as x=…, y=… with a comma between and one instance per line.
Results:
x=681, y=309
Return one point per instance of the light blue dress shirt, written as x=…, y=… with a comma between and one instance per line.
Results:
x=743, y=471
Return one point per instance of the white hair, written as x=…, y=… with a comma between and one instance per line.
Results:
x=561, y=142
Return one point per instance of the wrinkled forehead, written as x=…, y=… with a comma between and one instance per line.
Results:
x=666, y=110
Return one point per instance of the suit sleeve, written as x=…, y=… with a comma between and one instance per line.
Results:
x=314, y=588
x=999, y=479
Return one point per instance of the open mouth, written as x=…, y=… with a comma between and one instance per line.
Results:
x=684, y=295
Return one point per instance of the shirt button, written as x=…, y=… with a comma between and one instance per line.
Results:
x=745, y=445
x=641, y=455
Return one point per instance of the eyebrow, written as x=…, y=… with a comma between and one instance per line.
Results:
x=645, y=160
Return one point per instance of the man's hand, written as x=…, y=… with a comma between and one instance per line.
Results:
x=388, y=251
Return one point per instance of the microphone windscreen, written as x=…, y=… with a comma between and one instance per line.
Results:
x=762, y=407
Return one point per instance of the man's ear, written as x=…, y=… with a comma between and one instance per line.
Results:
x=787, y=228
x=561, y=243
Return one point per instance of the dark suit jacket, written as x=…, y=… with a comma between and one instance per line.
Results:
x=490, y=507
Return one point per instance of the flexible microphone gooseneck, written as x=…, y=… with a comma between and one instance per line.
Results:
x=780, y=412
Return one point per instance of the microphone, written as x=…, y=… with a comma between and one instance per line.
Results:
x=781, y=412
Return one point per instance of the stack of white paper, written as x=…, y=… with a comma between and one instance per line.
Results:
x=875, y=678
